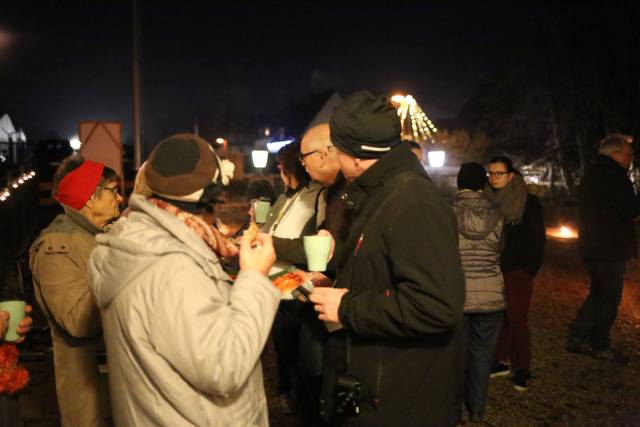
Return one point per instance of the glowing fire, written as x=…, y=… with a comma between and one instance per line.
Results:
x=562, y=232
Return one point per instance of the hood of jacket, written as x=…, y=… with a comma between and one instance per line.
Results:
x=139, y=240
x=477, y=216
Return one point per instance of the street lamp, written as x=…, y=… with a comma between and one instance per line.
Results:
x=222, y=142
x=75, y=143
x=259, y=158
x=436, y=158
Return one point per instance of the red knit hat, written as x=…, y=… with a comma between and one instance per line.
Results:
x=77, y=186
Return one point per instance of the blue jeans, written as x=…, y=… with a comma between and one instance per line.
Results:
x=480, y=336
x=599, y=311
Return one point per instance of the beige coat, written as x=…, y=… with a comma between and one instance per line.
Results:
x=183, y=344
x=58, y=259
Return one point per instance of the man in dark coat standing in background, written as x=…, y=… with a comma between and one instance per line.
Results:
x=394, y=356
x=608, y=207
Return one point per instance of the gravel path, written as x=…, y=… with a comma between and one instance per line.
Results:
x=570, y=389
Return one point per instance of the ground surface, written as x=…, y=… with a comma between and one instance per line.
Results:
x=569, y=390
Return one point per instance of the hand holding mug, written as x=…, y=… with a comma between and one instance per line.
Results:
x=14, y=320
x=318, y=250
x=333, y=242
x=25, y=324
x=4, y=323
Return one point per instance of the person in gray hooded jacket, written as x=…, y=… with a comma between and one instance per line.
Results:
x=183, y=343
x=480, y=225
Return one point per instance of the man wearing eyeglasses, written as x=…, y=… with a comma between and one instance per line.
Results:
x=88, y=193
x=608, y=207
x=319, y=158
x=318, y=155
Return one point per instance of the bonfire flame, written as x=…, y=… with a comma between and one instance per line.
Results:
x=562, y=232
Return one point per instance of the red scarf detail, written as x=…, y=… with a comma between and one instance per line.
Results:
x=209, y=234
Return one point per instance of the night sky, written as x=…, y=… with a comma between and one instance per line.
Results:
x=63, y=62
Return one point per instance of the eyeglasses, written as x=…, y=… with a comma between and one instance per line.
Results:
x=114, y=190
x=498, y=174
x=301, y=156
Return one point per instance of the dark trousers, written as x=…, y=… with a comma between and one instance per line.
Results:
x=599, y=311
x=514, y=341
x=10, y=411
x=308, y=384
x=285, y=340
x=480, y=336
x=298, y=338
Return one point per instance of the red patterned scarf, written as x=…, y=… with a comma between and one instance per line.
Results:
x=209, y=234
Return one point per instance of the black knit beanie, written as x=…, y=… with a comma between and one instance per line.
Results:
x=365, y=126
x=472, y=176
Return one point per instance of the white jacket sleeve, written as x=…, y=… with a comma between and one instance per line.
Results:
x=211, y=342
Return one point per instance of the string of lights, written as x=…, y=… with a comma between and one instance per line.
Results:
x=415, y=123
x=6, y=193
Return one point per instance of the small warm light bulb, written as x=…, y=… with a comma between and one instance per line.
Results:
x=397, y=98
x=15, y=185
x=21, y=181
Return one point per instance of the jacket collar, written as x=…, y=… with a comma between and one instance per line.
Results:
x=191, y=242
x=400, y=159
x=469, y=194
x=604, y=160
x=78, y=219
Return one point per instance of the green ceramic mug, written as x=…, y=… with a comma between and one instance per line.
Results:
x=317, y=250
x=261, y=210
x=16, y=312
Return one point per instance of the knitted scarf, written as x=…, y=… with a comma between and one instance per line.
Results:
x=510, y=199
x=209, y=234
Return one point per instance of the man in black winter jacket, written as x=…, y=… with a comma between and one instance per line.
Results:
x=394, y=356
x=608, y=207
